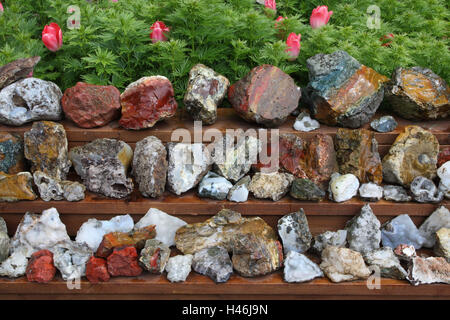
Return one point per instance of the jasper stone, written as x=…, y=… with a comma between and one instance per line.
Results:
x=213, y=262
x=96, y=270
x=341, y=91
x=150, y=166
x=147, y=101
x=266, y=95
x=214, y=186
x=395, y=193
x=154, y=256
x=418, y=94
x=305, y=189
x=16, y=187
x=401, y=230
x=40, y=267
x=11, y=153
x=123, y=262
x=17, y=70
x=384, y=124
x=91, y=106
x=46, y=149
x=357, y=153
x=294, y=232
x=363, y=231
x=55, y=189
x=429, y=270
x=272, y=186
x=205, y=91
x=293, y=155
x=424, y=190
x=413, y=153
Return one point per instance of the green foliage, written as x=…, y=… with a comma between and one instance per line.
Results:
x=232, y=36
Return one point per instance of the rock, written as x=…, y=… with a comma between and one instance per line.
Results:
x=401, y=230
x=147, y=101
x=213, y=262
x=270, y=185
x=357, y=153
x=418, y=94
x=17, y=70
x=343, y=187
x=440, y=218
x=304, y=123
x=444, y=174
x=102, y=165
x=29, y=100
x=343, y=264
x=371, y=192
x=16, y=187
x=405, y=252
x=385, y=259
x=188, y=164
x=71, y=260
x=395, y=193
x=413, y=153
x=424, y=190
x=293, y=155
x=150, y=166
x=443, y=156
x=341, y=91
x=96, y=270
x=294, y=232
x=4, y=241
x=214, y=186
x=165, y=225
x=266, y=96
x=46, y=149
x=442, y=246
x=329, y=238
x=55, y=189
x=205, y=91
x=363, y=231
x=179, y=267
x=91, y=106
x=429, y=270
x=384, y=124
x=298, y=268
x=123, y=262
x=40, y=267
x=305, y=189
x=15, y=265
x=239, y=192
x=11, y=153
x=92, y=231
x=154, y=256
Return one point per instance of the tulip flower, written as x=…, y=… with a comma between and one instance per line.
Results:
x=1, y=7
x=270, y=4
x=159, y=29
x=279, y=19
x=387, y=37
x=52, y=37
x=293, y=45
x=319, y=17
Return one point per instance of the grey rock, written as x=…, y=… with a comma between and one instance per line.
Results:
x=213, y=262
x=424, y=190
x=17, y=70
x=389, y=265
x=270, y=185
x=329, y=238
x=444, y=175
x=396, y=193
x=305, y=123
x=214, y=186
x=305, y=189
x=239, y=192
x=298, y=268
x=384, y=124
x=15, y=265
x=370, y=192
x=401, y=230
x=55, y=189
x=440, y=218
x=363, y=231
x=70, y=259
x=294, y=232
x=179, y=267
x=154, y=256
x=429, y=270
x=4, y=240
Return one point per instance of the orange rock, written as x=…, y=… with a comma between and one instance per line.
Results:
x=16, y=187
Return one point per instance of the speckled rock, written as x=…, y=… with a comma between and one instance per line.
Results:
x=443, y=156
x=213, y=262
x=363, y=231
x=70, y=259
x=444, y=175
x=405, y=252
x=214, y=186
x=429, y=270
x=4, y=241
x=239, y=192
x=343, y=187
x=305, y=189
x=385, y=259
x=396, y=193
x=329, y=238
x=401, y=230
x=12, y=159
x=384, y=124
x=298, y=268
x=424, y=190
x=154, y=256
x=179, y=267
x=17, y=70
x=294, y=232
x=270, y=185
x=55, y=189
x=16, y=187
x=371, y=192
x=440, y=218
x=304, y=123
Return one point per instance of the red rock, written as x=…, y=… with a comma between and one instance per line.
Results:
x=123, y=262
x=147, y=101
x=293, y=155
x=443, y=156
x=321, y=159
x=96, y=270
x=40, y=267
x=90, y=105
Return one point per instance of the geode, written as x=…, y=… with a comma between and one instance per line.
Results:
x=424, y=190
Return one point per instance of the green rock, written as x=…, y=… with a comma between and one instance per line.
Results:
x=305, y=189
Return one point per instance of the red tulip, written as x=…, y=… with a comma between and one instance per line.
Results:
x=293, y=45
x=319, y=17
x=386, y=37
x=270, y=4
x=159, y=30
x=52, y=37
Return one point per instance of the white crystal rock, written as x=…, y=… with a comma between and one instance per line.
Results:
x=371, y=191
x=239, y=192
x=179, y=267
x=396, y=193
x=166, y=225
x=92, y=231
x=440, y=218
x=387, y=262
x=214, y=186
x=444, y=174
x=401, y=230
x=298, y=268
x=329, y=238
x=70, y=259
x=429, y=270
x=16, y=265
x=343, y=187
x=363, y=231
x=305, y=123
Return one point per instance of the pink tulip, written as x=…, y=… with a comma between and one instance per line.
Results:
x=279, y=19
x=159, y=30
x=387, y=37
x=52, y=37
x=320, y=17
x=1, y=7
x=293, y=45
x=270, y=4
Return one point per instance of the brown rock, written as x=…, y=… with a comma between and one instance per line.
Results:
x=443, y=156
x=428, y=270
x=11, y=153
x=123, y=262
x=293, y=155
x=40, y=267
x=16, y=187
x=17, y=70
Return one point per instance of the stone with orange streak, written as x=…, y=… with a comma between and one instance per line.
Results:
x=12, y=160
x=16, y=187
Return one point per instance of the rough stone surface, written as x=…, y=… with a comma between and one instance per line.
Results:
x=418, y=94
x=96, y=270
x=266, y=96
x=102, y=165
x=123, y=262
x=12, y=159
x=150, y=166
x=443, y=156
x=239, y=192
x=413, y=153
x=384, y=124
x=16, y=187
x=424, y=190
x=370, y=192
x=429, y=270
x=15, y=265
x=298, y=268
x=70, y=259
x=147, y=101
x=385, y=259
x=343, y=187
x=46, y=149
x=305, y=189
x=401, y=230
x=40, y=267
x=179, y=267
x=4, y=241
x=294, y=232
x=329, y=238
x=444, y=174
x=442, y=246
x=154, y=256
x=90, y=105
x=29, y=100
x=304, y=123
x=270, y=185
x=440, y=218
x=341, y=91
x=17, y=70
x=405, y=252
x=213, y=262
x=205, y=91
x=55, y=189
x=395, y=193
x=363, y=231
x=214, y=186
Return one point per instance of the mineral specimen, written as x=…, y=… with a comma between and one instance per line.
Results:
x=54, y=189
x=179, y=267
x=294, y=232
x=270, y=185
x=214, y=186
x=418, y=94
x=405, y=252
x=363, y=231
x=413, y=153
x=40, y=267
x=205, y=91
x=329, y=238
x=266, y=96
x=46, y=149
x=70, y=259
x=429, y=270
x=213, y=262
x=239, y=192
x=305, y=123
x=96, y=270
x=384, y=124
x=150, y=166
x=28, y=100
x=123, y=262
x=147, y=101
x=442, y=246
x=4, y=240
x=443, y=156
x=154, y=256
x=444, y=174
x=11, y=153
x=401, y=230
x=370, y=192
x=16, y=187
x=102, y=165
x=15, y=266
x=440, y=218
x=17, y=70
x=90, y=105
x=385, y=259
x=343, y=187
x=298, y=268
x=341, y=91
x=321, y=159
x=305, y=189
x=424, y=190
x=395, y=193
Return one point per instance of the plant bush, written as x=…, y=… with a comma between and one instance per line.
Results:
x=113, y=46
